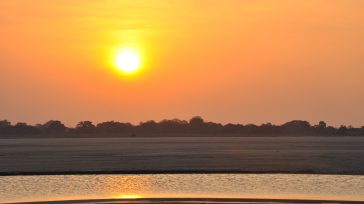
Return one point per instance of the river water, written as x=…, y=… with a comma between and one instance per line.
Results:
x=280, y=186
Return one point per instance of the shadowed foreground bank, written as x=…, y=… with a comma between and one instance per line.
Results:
x=320, y=155
x=199, y=201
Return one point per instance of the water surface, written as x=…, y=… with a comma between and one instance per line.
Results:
x=280, y=186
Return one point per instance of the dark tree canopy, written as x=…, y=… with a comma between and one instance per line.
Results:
x=54, y=126
x=85, y=127
x=195, y=125
x=114, y=127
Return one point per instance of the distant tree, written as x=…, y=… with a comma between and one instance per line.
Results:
x=23, y=128
x=53, y=126
x=268, y=128
x=321, y=128
x=330, y=130
x=148, y=126
x=114, y=127
x=196, y=121
x=5, y=126
x=4, y=123
x=343, y=130
x=196, y=124
x=174, y=125
x=85, y=127
x=232, y=128
x=297, y=124
x=250, y=129
x=300, y=127
x=322, y=125
x=212, y=127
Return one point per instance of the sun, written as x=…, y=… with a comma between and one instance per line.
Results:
x=128, y=61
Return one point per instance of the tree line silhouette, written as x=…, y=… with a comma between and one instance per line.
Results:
x=194, y=125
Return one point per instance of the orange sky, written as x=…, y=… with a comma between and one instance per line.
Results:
x=225, y=60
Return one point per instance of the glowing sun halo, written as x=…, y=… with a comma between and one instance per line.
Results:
x=128, y=61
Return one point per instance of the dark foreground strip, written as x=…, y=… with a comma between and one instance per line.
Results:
x=189, y=171
x=199, y=200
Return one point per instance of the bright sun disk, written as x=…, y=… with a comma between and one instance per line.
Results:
x=128, y=61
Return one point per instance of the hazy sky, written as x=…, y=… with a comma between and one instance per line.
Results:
x=251, y=61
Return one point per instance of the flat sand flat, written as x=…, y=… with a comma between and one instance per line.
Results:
x=316, y=155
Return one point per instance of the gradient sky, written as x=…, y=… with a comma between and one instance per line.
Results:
x=240, y=61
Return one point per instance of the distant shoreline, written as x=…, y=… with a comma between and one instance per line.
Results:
x=196, y=125
x=157, y=135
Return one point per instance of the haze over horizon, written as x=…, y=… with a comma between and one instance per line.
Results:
x=227, y=61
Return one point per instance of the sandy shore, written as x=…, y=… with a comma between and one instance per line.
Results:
x=323, y=155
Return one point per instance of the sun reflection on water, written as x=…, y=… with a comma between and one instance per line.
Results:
x=127, y=196
x=273, y=186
